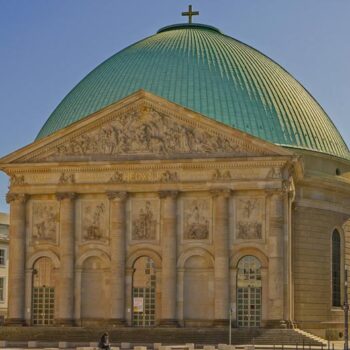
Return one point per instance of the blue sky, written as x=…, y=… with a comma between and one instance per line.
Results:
x=48, y=46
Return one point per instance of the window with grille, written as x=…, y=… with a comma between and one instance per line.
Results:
x=2, y=257
x=2, y=289
x=336, y=269
x=144, y=293
x=249, y=292
x=43, y=297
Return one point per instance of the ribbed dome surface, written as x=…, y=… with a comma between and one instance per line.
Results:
x=198, y=67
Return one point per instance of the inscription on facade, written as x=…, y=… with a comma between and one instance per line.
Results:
x=197, y=218
x=249, y=218
x=94, y=216
x=45, y=222
x=144, y=220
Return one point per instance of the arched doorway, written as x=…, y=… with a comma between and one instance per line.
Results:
x=249, y=292
x=43, y=303
x=144, y=293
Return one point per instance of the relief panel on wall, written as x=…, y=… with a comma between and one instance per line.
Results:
x=249, y=218
x=144, y=219
x=196, y=218
x=94, y=221
x=45, y=221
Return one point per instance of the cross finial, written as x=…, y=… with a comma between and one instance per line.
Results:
x=190, y=13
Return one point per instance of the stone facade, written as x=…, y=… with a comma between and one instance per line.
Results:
x=4, y=264
x=145, y=178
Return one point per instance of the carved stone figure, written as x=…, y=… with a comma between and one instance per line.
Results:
x=17, y=180
x=168, y=176
x=94, y=221
x=249, y=218
x=196, y=218
x=117, y=177
x=45, y=222
x=66, y=179
x=140, y=133
x=274, y=173
x=224, y=175
x=144, y=222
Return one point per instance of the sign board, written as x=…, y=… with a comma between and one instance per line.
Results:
x=138, y=304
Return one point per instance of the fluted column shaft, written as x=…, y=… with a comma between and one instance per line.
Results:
x=169, y=258
x=118, y=246
x=221, y=248
x=17, y=252
x=67, y=246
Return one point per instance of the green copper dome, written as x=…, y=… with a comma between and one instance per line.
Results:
x=200, y=68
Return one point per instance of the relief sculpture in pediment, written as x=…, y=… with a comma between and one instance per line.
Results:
x=152, y=133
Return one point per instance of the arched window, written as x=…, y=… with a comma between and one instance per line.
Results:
x=249, y=301
x=43, y=304
x=144, y=293
x=336, y=269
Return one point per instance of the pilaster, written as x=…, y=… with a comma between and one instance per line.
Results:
x=169, y=257
x=17, y=252
x=221, y=249
x=118, y=247
x=67, y=247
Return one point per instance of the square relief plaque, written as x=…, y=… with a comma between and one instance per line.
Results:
x=249, y=218
x=144, y=219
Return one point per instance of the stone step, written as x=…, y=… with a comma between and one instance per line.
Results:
x=156, y=335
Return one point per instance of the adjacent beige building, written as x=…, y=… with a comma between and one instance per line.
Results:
x=4, y=263
x=154, y=208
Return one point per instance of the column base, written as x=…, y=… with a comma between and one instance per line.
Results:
x=168, y=323
x=64, y=322
x=221, y=323
x=117, y=322
x=15, y=322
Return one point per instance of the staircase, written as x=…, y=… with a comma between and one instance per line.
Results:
x=50, y=336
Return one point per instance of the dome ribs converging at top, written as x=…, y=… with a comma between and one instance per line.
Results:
x=208, y=72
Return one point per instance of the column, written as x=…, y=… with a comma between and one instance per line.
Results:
x=67, y=247
x=118, y=246
x=169, y=257
x=276, y=266
x=17, y=253
x=221, y=249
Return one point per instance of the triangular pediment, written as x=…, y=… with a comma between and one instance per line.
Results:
x=143, y=126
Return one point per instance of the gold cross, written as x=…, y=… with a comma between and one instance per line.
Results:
x=190, y=13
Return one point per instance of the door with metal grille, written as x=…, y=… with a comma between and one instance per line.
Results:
x=43, y=293
x=144, y=293
x=249, y=292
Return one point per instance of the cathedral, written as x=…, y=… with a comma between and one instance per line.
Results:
x=187, y=179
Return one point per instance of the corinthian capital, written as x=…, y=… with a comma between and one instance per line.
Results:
x=60, y=196
x=122, y=196
x=20, y=197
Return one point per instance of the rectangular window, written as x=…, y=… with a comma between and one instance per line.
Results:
x=2, y=288
x=2, y=256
